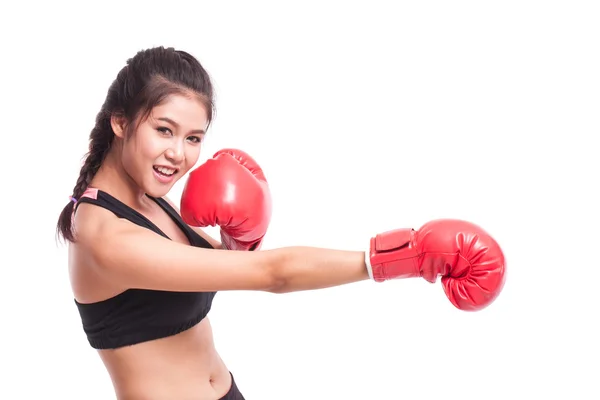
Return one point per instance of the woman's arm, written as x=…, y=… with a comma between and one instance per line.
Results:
x=135, y=257
x=308, y=268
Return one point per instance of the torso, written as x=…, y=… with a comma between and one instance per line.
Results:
x=182, y=366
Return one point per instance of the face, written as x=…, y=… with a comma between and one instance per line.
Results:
x=166, y=145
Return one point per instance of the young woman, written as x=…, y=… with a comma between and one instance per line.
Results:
x=144, y=274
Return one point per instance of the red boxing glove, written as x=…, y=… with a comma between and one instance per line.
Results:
x=231, y=191
x=467, y=258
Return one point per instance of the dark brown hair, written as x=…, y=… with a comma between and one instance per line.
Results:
x=144, y=82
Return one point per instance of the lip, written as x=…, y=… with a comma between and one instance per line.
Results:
x=162, y=178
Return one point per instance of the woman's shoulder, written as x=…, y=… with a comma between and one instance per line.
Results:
x=90, y=219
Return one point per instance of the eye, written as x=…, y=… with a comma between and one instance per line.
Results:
x=195, y=139
x=164, y=130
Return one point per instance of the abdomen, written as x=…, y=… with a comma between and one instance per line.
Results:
x=185, y=365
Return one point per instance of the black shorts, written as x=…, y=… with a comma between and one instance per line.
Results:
x=234, y=392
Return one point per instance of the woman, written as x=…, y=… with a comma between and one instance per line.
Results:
x=144, y=278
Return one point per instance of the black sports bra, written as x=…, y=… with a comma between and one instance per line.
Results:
x=139, y=315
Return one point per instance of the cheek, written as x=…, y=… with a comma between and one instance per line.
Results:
x=147, y=146
x=192, y=153
x=138, y=150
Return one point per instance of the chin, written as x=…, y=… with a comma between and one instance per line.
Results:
x=155, y=189
x=157, y=193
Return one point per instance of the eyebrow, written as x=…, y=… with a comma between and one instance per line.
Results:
x=175, y=124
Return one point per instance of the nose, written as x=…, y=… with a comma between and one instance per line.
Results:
x=175, y=152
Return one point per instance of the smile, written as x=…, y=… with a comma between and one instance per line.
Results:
x=164, y=170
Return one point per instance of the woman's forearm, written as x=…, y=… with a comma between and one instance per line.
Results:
x=309, y=268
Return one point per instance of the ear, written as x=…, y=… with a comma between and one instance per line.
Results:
x=117, y=122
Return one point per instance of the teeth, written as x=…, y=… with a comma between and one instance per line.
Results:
x=166, y=171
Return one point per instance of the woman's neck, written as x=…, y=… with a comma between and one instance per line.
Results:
x=114, y=180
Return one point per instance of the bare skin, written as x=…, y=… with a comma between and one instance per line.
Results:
x=183, y=366
x=111, y=255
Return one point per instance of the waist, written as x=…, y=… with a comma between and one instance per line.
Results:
x=185, y=365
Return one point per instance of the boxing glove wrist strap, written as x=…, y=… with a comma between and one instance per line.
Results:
x=392, y=255
x=368, y=264
x=230, y=243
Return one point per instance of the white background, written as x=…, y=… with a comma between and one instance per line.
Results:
x=365, y=118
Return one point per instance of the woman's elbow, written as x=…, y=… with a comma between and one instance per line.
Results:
x=275, y=266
